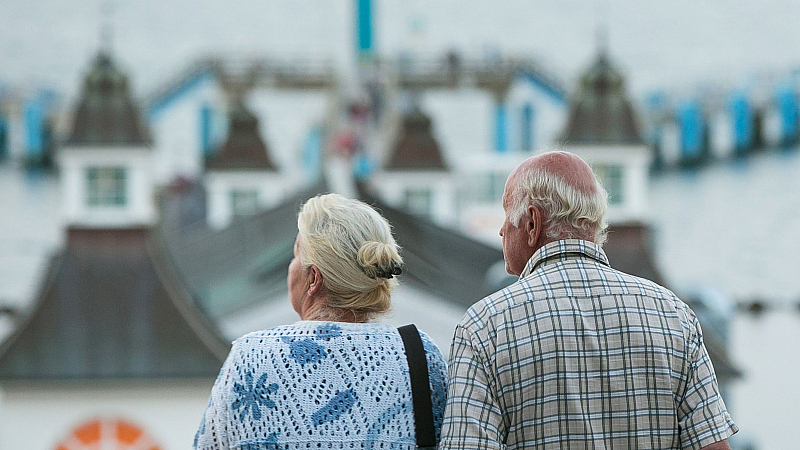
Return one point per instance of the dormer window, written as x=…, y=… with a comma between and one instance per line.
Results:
x=106, y=186
x=244, y=202
x=611, y=177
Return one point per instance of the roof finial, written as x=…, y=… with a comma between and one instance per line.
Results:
x=602, y=40
x=106, y=27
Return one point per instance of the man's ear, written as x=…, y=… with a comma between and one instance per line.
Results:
x=533, y=225
x=315, y=281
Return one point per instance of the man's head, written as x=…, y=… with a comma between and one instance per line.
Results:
x=549, y=197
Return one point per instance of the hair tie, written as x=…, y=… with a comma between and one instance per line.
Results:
x=395, y=269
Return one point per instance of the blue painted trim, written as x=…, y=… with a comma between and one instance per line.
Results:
x=527, y=127
x=692, y=129
x=364, y=31
x=312, y=154
x=501, y=119
x=789, y=109
x=3, y=138
x=34, y=118
x=184, y=87
x=552, y=91
x=206, y=124
x=742, y=117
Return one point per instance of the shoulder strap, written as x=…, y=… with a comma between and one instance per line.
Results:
x=420, y=387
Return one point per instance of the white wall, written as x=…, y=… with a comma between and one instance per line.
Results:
x=635, y=161
x=392, y=188
x=271, y=187
x=37, y=416
x=176, y=130
x=140, y=207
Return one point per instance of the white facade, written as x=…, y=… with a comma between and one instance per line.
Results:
x=268, y=188
x=721, y=135
x=137, y=207
x=39, y=416
x=177, y=130
x=427, y=193
x=623, y=171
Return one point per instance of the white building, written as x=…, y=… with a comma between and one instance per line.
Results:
x=113, y=354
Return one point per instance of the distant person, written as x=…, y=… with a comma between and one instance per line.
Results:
x=576, y=354
x=333, y=380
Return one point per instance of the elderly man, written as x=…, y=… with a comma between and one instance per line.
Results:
x=576, y=354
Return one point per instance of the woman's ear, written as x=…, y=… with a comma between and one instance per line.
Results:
x=315, y=285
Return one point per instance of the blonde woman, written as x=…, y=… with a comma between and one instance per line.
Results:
x=335, y=379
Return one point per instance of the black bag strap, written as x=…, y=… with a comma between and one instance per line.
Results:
x=420, y=387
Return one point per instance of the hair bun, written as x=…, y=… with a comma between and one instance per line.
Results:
x=379, y=260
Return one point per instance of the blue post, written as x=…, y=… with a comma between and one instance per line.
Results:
x=364, y=30
x=312, y=154
x=501, y=117
x=206, y=123
x=3, y=138
x=742, y=116
x=34, y=117
x=527, y=127
x=790, y=113
x=692, y=131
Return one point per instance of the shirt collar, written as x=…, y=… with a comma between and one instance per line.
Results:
x=561, y=249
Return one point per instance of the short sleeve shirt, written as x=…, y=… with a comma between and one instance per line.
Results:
x=579, y=355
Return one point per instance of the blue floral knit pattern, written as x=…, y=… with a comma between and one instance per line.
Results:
x=316, y=385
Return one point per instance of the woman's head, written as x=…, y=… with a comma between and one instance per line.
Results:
x=347, y=248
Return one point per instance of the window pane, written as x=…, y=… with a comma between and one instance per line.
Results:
x=106, y=186
x=418, y=201
x=244, y=202
x=611, y=177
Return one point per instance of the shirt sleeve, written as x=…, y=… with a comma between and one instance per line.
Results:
x=702, y=416
x=212, y=433
x=473, y=419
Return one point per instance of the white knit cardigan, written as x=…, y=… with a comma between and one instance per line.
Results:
x=315, y=385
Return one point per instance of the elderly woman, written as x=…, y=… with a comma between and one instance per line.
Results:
x=334, y=380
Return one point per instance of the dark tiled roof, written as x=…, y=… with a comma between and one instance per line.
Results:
x=110, y=309
x=441, y=261
x=106, y=114
x=601, y=112
x=244, y=149
x=241, y=265
x=629, y=249
x=416, y=148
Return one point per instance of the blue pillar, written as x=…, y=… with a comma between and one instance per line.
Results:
x=742, y=116
x=790, y=113
x=501, y=119
x=206, y=124
x=692, y=131
x=3, y=138
x=312, y=154
x=364, y=28
x=527, y=128
x=34, y=118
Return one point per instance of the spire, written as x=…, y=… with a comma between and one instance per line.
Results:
x=106, y=114
x=601, y=111
x=416, y=148
x=244, y=149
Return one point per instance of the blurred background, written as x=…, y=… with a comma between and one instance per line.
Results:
x=153, y=156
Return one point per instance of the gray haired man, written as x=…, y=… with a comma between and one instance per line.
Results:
x=576, y=354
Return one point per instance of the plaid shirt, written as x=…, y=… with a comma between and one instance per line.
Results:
x=579, y=355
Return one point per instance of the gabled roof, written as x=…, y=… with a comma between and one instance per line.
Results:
x=110, y=308
x=244, y=149
x=601, y=112
x=241, y=265
x=442, y=261
x=106, y=114
x=415, y=147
